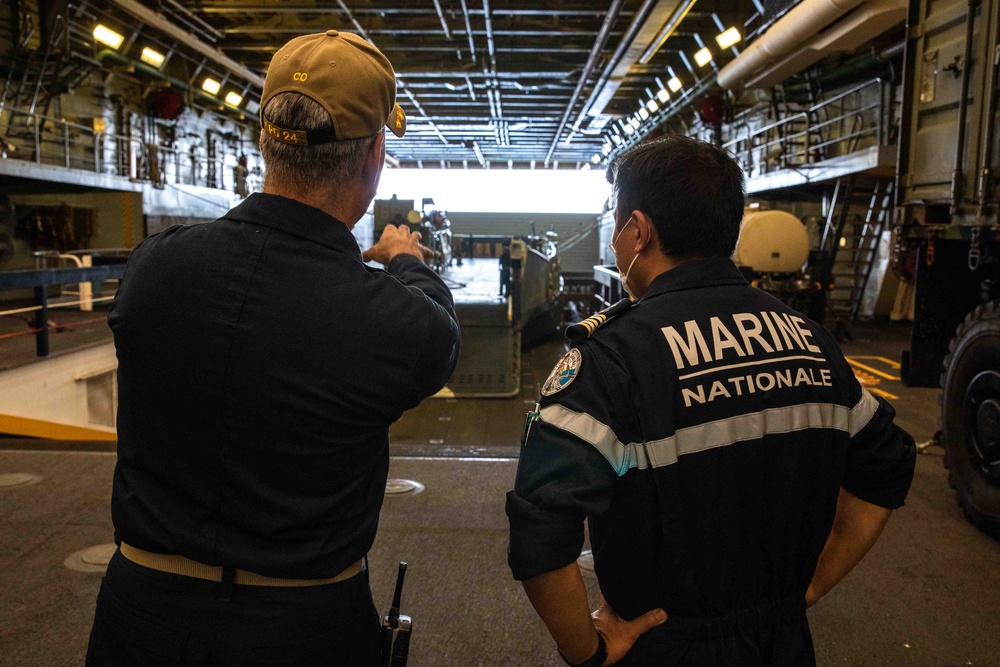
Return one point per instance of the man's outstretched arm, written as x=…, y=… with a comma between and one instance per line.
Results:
x=856, y=527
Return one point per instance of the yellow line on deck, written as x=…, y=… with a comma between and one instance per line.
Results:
x=884, y=360
x=871, y=370
x=883, y=394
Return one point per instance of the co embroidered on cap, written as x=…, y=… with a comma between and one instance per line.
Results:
x=564, y=373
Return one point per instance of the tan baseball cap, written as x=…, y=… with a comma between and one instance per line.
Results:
x=349, y=77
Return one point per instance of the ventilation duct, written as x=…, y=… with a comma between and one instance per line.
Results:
x=857, y=28
x=802, y=22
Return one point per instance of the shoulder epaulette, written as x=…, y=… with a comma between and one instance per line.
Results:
x=581, y=331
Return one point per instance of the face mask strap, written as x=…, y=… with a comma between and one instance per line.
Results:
x=619, y=235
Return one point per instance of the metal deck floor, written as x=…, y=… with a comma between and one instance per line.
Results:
x=927, y=595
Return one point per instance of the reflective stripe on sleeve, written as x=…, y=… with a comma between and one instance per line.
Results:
x=863, y=411
x=720, y=433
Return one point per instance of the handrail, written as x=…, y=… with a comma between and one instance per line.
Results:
x=41, y=279
x=839, y=96
x=64, y=156
x=754, y=148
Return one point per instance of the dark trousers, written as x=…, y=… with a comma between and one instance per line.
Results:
x=771, y=634
x=146, y=617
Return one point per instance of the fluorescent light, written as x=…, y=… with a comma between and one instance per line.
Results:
x=596, y=158
x=674, y=84
x=629, y=129
x=663, y=95
x=151, y=57
x=605, y=149
x=211, y=86
x=728, y=38
x=233, y=100
x=643, y=114
x=703, y=57
x=106, y=35
x=615, y=138
x=652, y=106
x=633, y=123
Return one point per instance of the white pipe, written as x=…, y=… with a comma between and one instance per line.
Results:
x=801, y=23
x=869, y=21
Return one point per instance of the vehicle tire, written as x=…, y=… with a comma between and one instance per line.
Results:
x=970, y=416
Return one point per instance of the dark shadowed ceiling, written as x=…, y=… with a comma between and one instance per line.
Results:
x=483, y=82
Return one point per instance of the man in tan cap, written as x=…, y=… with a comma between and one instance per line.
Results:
x=261, y=362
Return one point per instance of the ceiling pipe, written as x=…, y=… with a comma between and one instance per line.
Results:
x=444, y=24
x=595, y=53
x=468, y=30
x=490, y=47
x=354, y=21
x=423, y=114
x=161, y=23
x=666, y=31
x=202, y=24
x=623, y=46
x=799, y=24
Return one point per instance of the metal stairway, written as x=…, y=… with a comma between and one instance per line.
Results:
x=856, y=218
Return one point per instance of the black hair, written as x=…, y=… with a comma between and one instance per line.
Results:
x=692, y=191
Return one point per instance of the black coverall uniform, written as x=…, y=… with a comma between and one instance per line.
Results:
x=705, y=435
x=261, y=363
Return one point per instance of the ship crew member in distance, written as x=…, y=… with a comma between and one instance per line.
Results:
x=730, y=467
x=261, y=363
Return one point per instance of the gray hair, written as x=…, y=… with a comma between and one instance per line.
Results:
x=333, y=164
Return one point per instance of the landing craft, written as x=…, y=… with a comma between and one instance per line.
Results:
x=508, y=292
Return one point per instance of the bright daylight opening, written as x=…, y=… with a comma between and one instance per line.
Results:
x=500, y=190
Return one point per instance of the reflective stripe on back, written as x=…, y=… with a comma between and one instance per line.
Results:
x=719, y=433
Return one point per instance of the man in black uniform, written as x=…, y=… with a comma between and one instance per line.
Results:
x=261, y=362
x=731, y=468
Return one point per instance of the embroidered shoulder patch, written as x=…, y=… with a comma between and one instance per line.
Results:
x=563, y=374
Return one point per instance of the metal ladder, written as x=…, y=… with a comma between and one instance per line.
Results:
x=856, y=218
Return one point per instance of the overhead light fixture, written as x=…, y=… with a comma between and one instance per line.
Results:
x=106, y=35
x=663, y=95
x=728, y=38
x=617, y=139
x=233, y=99
x=629, y=129
x=252, y=106
x=703, y=57
x=585, y=167
x=674, y=84
x=596, y=158
x=643, y=114
x=211, y=86
x=652, y=106
x=606, y=148
x=633, y=123
x=152, y=57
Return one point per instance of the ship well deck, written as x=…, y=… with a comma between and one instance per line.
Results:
x=925, y=596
